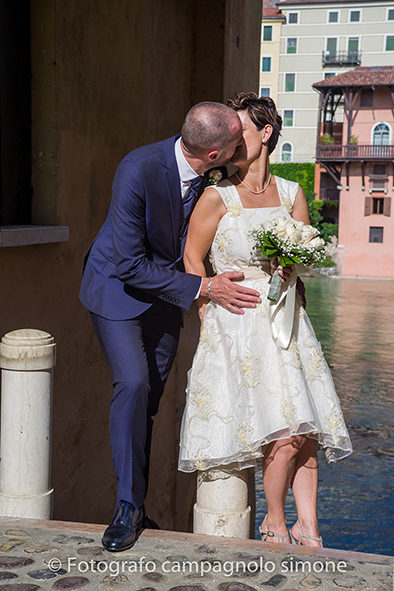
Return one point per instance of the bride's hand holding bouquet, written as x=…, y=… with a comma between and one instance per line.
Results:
x=292, y=242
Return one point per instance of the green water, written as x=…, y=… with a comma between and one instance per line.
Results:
x=353, y=320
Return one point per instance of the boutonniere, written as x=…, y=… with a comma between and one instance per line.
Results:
x=214, y=177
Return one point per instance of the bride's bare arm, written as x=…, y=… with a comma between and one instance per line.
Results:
x=300, y=208
x=202, y=228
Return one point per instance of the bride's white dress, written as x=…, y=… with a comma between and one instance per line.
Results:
x=244, y=390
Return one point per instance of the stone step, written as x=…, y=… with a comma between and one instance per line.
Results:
x=56, y=555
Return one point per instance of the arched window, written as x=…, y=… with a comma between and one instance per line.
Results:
x=381, y=135
x=287, y=150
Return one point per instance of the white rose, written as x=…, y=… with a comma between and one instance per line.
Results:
x=280, y=231
x=292, y=232
x=316, y=243
x=308, y=233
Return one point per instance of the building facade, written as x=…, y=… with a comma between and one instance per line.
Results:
x=355, y=167
x=320, y=39
x=271, y=31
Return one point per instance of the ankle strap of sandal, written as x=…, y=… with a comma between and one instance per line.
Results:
x=309, y=537
x=265, y=532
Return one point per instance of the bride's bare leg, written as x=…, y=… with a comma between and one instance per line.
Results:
x=279, y=463
x=304, y=487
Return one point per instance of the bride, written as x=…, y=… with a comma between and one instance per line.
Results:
x=248, y=395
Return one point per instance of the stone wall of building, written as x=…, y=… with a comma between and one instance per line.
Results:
x=106, y=78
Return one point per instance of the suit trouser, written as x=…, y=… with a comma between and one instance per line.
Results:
x=140, y=352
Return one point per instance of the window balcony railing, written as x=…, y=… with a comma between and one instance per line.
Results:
x=341, y=153
x=378, y=184
x=342, y=58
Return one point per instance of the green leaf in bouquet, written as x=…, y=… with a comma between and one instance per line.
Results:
x=270, y=252
x=268, y=240
x=286, y=260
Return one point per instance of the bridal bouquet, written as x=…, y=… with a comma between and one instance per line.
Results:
x=292, y=242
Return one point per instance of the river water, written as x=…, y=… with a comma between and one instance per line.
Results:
x=354, y=322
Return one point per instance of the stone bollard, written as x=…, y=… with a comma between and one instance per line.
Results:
x=27, y=358
x=222, y=503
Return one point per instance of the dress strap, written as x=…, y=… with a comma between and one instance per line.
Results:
x=287, y=192
x=229, y=195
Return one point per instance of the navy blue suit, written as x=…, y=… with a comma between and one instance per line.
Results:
x=135, y=292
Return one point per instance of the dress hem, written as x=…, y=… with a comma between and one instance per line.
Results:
x=257, y=452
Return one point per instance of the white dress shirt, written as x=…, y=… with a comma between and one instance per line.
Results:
x=186, y=174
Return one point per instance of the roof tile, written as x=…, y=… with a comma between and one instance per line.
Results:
x=360, y=76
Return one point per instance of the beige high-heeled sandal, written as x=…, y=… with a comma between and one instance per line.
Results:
x=265, y=532
x=302, y=535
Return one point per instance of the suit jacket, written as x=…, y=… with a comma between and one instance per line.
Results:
x=131, y=262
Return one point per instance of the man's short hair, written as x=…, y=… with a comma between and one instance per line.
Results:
x=208, y=126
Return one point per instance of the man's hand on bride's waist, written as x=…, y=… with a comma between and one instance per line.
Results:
x=225, y=290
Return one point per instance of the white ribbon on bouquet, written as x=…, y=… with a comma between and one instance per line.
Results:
x=282, y=329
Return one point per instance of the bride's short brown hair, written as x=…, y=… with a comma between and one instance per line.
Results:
x=262, y=111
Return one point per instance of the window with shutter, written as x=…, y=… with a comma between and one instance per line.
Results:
x=368, y=206
x=377, y=205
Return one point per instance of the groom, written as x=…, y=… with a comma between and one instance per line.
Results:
x=135, y=289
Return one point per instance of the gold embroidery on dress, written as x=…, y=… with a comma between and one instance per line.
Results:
x=249, y=366
x=244, y=430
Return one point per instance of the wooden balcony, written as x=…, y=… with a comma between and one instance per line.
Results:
x=341, y=153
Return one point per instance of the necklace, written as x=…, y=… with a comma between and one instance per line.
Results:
x=251, y=190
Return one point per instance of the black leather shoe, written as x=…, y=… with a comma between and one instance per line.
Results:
x=150, y=523
x=125, y=527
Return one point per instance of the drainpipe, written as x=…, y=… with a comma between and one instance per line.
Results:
x=222, y=503
x=27, y=358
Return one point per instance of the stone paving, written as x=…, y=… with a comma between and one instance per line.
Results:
x=54, y=555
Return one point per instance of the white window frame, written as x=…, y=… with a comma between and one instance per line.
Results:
x=261, y=64
x=355, y=10
x=269, y=88
x=286, y=47
x=272, y=34
x=387, y=14
x=332, y=37
x=283, y=117
x=297, y=12
x=287, y=142
x=328, y=17
x=373, y=131
x=385, y=41
x=353, y=37
x=284, y=83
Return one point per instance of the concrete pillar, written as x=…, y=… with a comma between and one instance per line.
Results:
x=339, y=260
x=222, y=503
x=27, y=358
